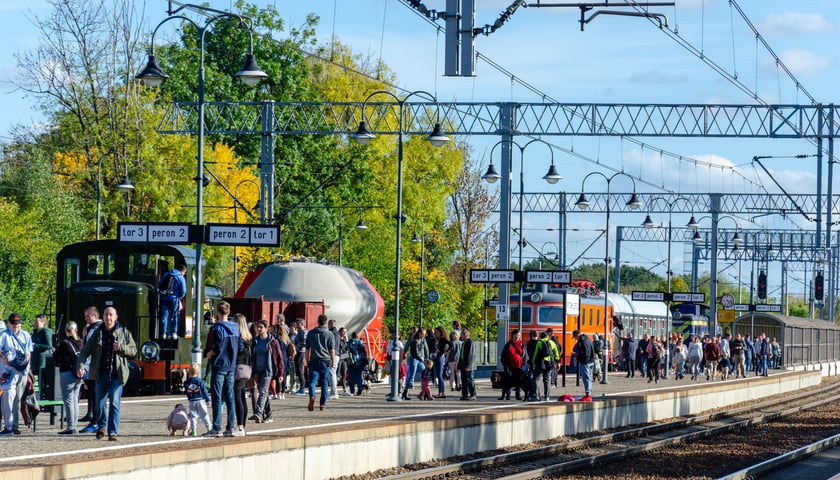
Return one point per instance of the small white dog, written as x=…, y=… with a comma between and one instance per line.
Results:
x=179, y=419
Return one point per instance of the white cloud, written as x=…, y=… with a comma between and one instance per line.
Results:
x=787, y=23
x=800, y=62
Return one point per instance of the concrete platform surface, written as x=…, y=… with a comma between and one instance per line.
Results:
x=145, y=445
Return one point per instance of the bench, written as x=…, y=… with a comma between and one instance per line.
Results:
x=48, y=404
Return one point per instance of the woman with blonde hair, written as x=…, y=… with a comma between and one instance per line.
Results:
x=239, y=386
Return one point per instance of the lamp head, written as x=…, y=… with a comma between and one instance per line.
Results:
x=491, y=176
x=437, y=138
x=361, y=227
x=250, y=74
x=692, y=223
x=648, y=223
x=634, y=202
x=363, y=135
x=552, y=176
x=125, y=185
x=737, y=240
x=582, y=202
x=152, y=75
x=415, y=238
x=697, y=239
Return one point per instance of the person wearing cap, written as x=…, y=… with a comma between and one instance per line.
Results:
x=16, y=348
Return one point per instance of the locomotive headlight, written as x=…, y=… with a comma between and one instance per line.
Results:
x=150, y=351
x=536, y=297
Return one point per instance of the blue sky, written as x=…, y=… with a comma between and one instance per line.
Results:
x=615, y=59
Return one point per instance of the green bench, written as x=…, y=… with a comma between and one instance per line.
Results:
x=48, y=404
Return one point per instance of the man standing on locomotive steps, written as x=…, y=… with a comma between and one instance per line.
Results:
x=109, y=349
x=172, y=288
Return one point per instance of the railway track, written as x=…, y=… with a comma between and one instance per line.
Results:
x=571, y=456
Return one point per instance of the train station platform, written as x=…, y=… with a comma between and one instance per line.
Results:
x=361, y=434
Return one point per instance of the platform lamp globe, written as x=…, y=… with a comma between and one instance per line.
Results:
x=583, y=203
x=153, y=76
x=363, y=136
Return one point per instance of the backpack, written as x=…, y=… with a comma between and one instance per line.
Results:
x=167, y=284
x=657, y=351
x=506, y=354
x=597, y=347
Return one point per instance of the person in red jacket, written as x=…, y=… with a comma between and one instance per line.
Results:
x=512, y=362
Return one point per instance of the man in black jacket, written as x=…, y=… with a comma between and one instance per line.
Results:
x=585, y=357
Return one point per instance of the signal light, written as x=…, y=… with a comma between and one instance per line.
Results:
x=818, y=287
x=762, y=285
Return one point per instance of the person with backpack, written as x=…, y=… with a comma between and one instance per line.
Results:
x=223, y=346
x=16, y=346
x=655, y=353
x=511, y=360
x=544, y=362
x=585, y=356
x=172, y=288
x=65, y=359
x=356, y=363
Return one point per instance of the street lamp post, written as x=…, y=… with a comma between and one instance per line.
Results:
x=582, y=203
x=124, y=186
x=152, y=75
x=492, y=176
x=364, y=136
x=691, y=225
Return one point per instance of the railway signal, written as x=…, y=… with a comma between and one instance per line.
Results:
x=818, y=286
x=762, y=285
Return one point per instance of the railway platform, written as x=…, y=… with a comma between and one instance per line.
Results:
x=366, y=433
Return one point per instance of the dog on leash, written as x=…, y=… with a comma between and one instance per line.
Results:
x=179, y=419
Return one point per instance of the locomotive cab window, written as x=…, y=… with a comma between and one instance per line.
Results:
x=527, y=316
x=550, y=315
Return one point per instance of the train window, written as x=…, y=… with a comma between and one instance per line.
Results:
x=550, y=315
x=597, y=318
x=71, y=272
x=527, y=316
x=141, y=264
x=96, y=265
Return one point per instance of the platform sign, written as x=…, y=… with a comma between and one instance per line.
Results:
x=548, y=276
x=265, y=235
x=740, y=307
x=689, y=297
x=572, y=303
x=492, y=276
x=642, y=296
x=765, y=307
x=169, y=233
x=503, y=312
x=242, y=235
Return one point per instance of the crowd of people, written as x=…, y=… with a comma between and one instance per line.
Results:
x=268, y=361
x=440, y=358
x=721, y=356
x=244, y=359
